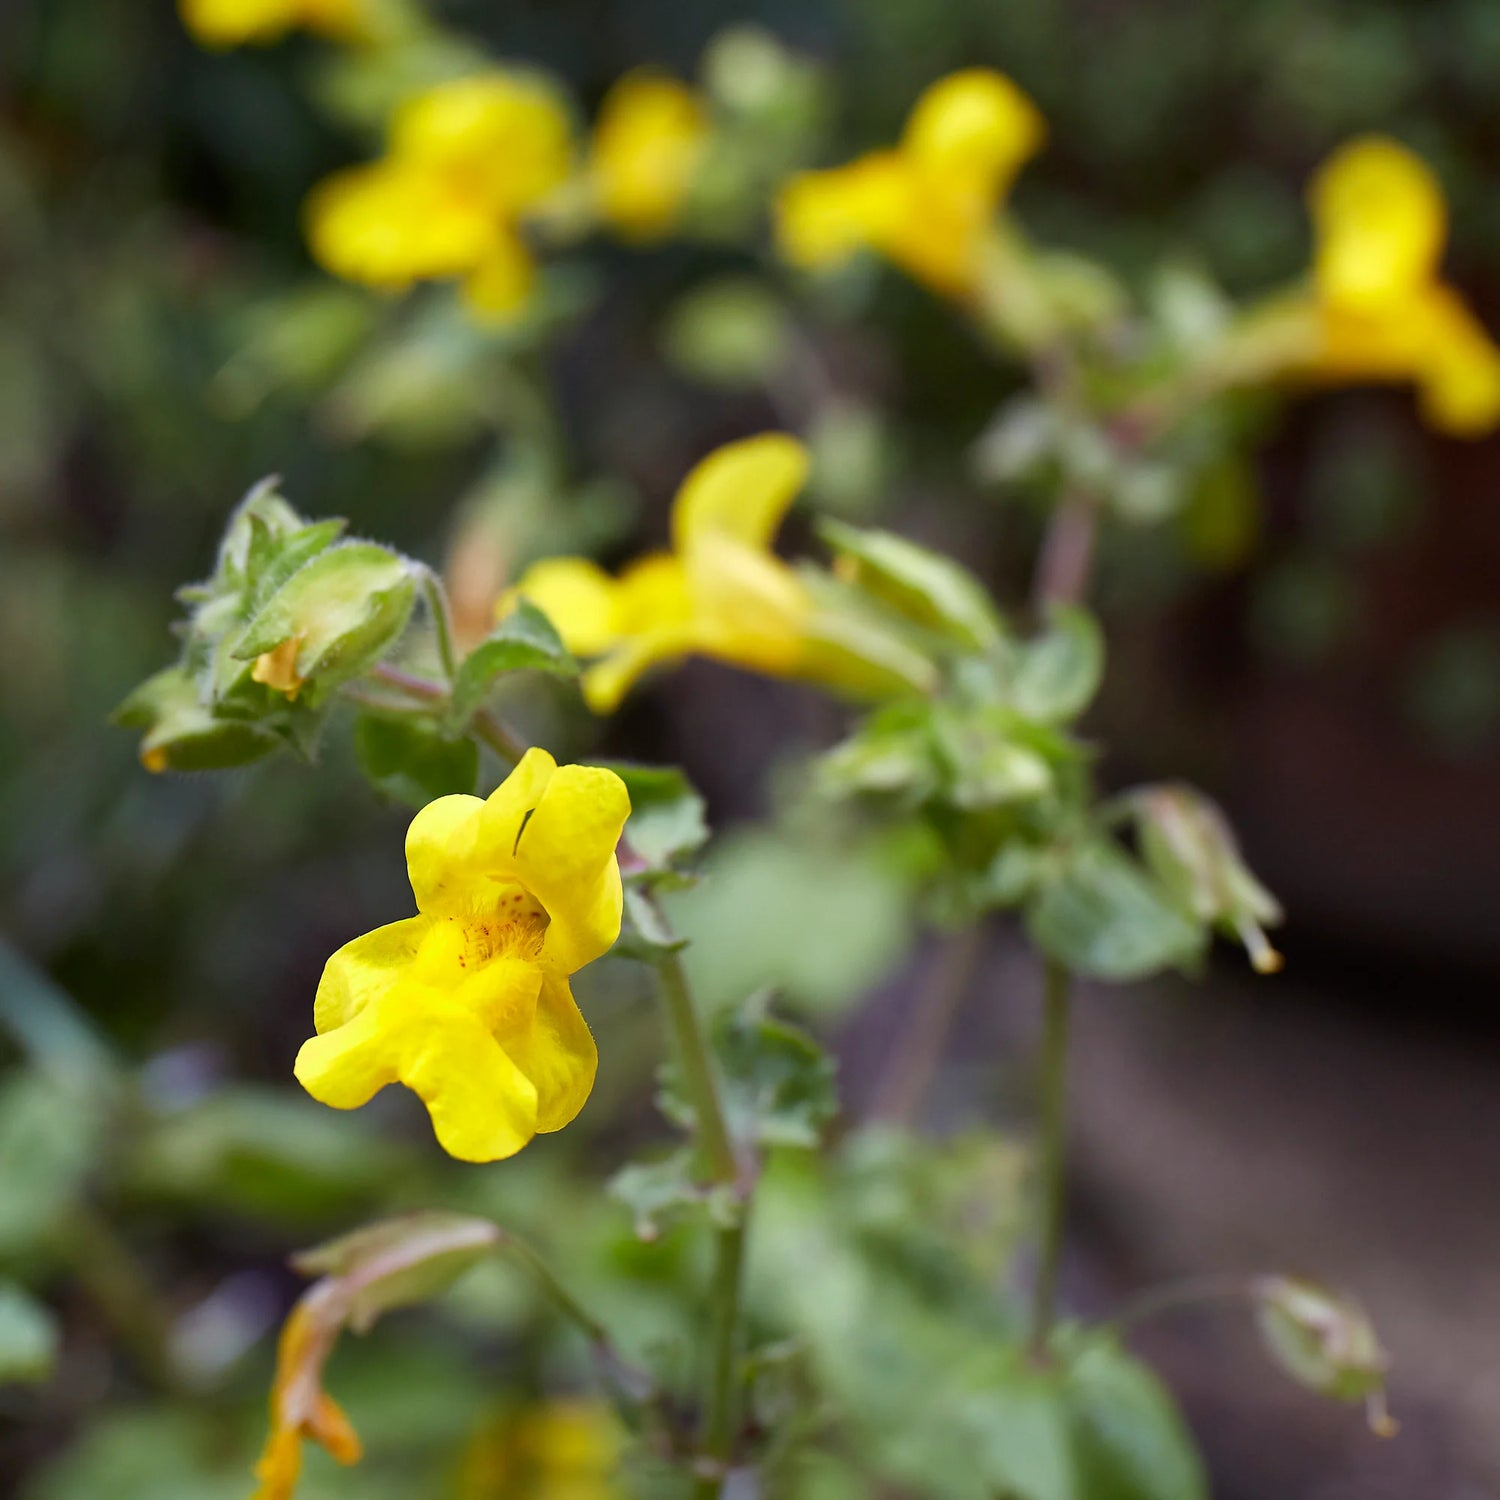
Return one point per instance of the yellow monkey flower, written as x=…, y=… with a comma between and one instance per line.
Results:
x=465, y=164
x=567, y=1448
x=648, y=142
x=467, y=1003
x=929, y=205
x=1382, y=311
x=232, y=23
x=721, y=591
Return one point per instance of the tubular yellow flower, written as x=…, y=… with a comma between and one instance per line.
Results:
x=929, y=205
x=721, y=591
x=468, y=1003
x=563, y=1449
x=648, y=142
x=466, y=162
x=1382, y=312
x=232, y=23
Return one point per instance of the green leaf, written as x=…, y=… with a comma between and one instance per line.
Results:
x=524, y=641
x=732, y=332
x=400, y=1261
x=817, y=922
x=1102, y=916
x=645, y=934
x=926, y=587
x=28, y=1337
x=265, y=1154
x=666, y=821
x=1056, y=675
x=661, y=1193
x=985, y=766
x=889, y=755
x=778, y=1083
x=411, y=761
x=50, y=1137
x=1128, y=1440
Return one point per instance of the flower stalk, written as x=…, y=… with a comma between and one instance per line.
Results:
x=1052, y=1159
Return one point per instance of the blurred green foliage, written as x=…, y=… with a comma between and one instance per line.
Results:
x=164, y=343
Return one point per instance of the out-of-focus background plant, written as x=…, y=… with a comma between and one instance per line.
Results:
x=1301, y=606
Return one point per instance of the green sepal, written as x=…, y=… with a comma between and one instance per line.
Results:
x=345, y=608
x=182, y=733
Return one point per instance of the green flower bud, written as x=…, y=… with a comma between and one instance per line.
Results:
x=330, y=621
x=1325, y=1342
x=1190, y=847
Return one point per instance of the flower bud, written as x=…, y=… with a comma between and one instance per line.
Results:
x=1190, y=847
x=330, y=621
x=1325, y=1342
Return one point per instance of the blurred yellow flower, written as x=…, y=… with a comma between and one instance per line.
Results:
x=300, y=1407
x=564, y=1449
x=721, y=591
x=648, y=142
x=929, y=205
x=1382, y=311
x=468, y=1003
x=465, y=164
x=231, y=23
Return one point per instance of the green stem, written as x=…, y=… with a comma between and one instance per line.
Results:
x=1225, y=1287
x=701, y=1083
x=699, y=1076
x=1052, y=1160
x=721, y=1415
x=919, y=1051
x=442, y=621
x=483, y=725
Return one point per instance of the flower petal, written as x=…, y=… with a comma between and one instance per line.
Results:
x=558, y=1055
x=579, y=598
x=444, y=857
x=365, y=969
x=611, y=677
x=510, y=805
x=483, y=1107
x=347, y=1066
x=647, y=144
x=969, y=132
x=387, y=225
x=741, y=490
x=1381, y=222
x=565, y=856
x=498, y=287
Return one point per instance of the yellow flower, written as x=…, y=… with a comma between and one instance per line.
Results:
x=721, y=591
x=231, y=23
x=300, y=1407
x=466, y=163
x=648, y=142
x=468, y=1004
x=563, y=1449
x=929, y=205
x=1382, y=311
